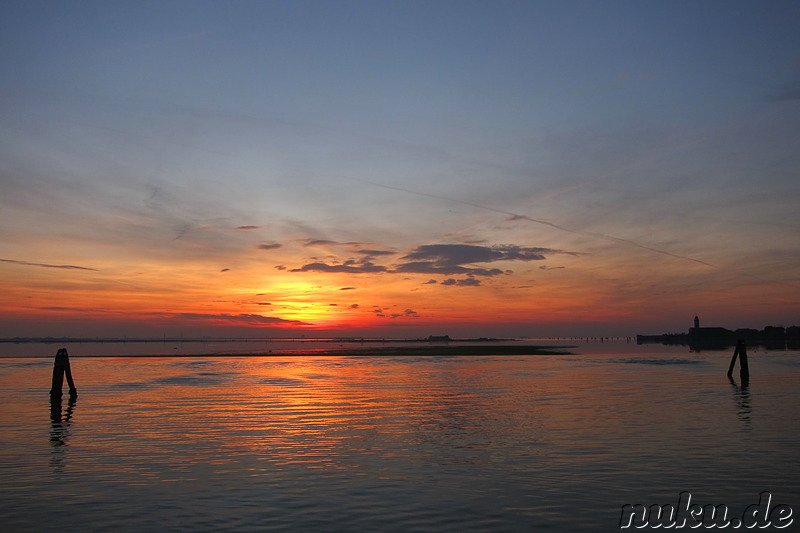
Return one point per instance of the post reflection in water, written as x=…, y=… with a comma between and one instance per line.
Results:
x=742, y=397
x=60, y=422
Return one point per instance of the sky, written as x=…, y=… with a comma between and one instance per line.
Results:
x=398, y=168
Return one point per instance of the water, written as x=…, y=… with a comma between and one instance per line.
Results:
x=495, y=443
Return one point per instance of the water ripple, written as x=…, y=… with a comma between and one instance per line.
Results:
x=388, y=444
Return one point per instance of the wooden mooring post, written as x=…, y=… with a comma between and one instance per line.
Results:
x=744, y=370
x=61, y=368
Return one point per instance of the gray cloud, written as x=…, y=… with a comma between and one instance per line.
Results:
x=247, y=228
x=375, y=252
x=449, y=259
x=45, y=265
x=271, y=246
x=349, y=267
x=382, y=313
x=439, y=259
x=468, y=282
x=327, y=242
x=430, y=267
x=459, y=254
x=318, y=242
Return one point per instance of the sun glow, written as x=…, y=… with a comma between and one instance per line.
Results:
x=300, y=301
x=304, y=311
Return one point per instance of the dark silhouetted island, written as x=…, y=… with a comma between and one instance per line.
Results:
x=716, y=338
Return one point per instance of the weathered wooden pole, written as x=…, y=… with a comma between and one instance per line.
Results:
x=733, y=360
x=60, y=368
x=744, y=371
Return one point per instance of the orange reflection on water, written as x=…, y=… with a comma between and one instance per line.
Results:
x=179, y=419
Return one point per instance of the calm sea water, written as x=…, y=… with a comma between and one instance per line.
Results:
x=462, y=444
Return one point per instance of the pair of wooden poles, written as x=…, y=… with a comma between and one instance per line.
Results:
x=744, y=370
x=61, y=369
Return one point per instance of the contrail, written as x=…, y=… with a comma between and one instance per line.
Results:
x=545, y=223
x=70, y=267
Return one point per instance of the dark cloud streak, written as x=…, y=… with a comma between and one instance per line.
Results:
x=319, y=242
x=246, y=318
x=45, y=265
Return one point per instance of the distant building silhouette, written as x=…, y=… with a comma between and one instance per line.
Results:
x=775, y=337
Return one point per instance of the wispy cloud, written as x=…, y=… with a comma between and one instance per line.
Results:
x=241, y=318
x=46, y=265
x=517, y=216
x=270, y=246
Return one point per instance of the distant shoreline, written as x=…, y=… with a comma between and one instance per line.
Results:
x=377, y=351
x=172, y=340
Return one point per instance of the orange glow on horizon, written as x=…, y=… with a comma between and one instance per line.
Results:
x=198, y=296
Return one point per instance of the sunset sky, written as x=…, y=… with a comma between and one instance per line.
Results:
x=398, y=168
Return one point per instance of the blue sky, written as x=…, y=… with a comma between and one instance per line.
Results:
x=651, y=146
